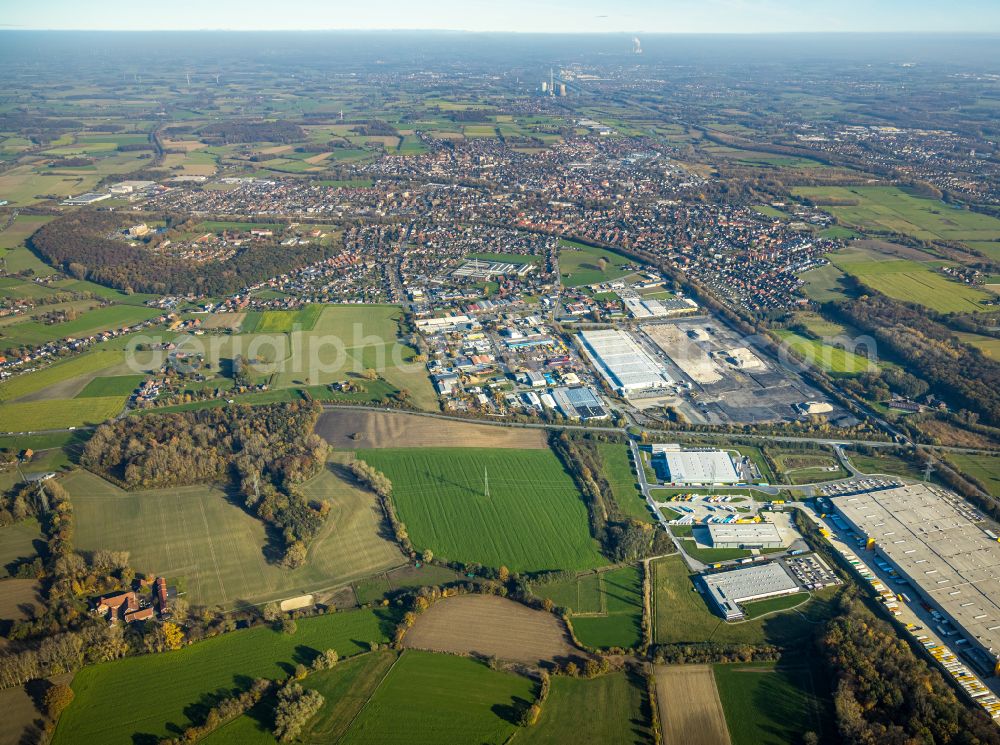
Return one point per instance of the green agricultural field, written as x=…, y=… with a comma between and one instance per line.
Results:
x=84, y=364
x=983, y=468
x=533, y=519
x=910, y=281
x=580, y=595
x=197, y=535
x=115, y=385
x=345, y=341
x=280, y=321
x=17, y=541
x=34, y=333
x=768, y=704
x=824, y=356
x=345, y=688
x=681, y=615
x=41, y=415
x=620, y=622
x=621, y=476
x=892, y=209
x=139, y=698
x=580, y=264
x=610, y=709
x=443, y=698
x=985, y=344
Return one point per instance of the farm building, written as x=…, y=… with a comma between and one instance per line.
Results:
x=931, y=537
x=745, y=535
x=728, y=589
x=625, y=365
x=691, y=467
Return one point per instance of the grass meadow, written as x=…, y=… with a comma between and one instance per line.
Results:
x=534, y=518
x=216, y=550
x=441, y=699
x=151, y=696
x=579, y=264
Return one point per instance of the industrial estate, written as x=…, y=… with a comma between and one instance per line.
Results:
x=452, y=388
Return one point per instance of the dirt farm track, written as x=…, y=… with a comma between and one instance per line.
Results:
x=690, y=710
x=350, y=430
x=489, y=625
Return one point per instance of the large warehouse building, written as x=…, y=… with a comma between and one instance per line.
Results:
x=745, y=535
x=728, y=589
x=694, y=467
x=626, y=366
x=929, y=536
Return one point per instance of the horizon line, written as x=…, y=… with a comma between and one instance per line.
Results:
x=799, y=32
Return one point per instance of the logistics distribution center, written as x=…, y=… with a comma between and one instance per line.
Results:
x=728, y=589
x=928, y=535
x=691, y=467
x=626, y=366
x=745, y=535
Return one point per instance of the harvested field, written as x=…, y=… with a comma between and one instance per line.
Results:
x=688, y=356
x=15, y=594
x=690, y=709
x=223, y=321
x=489, y=625
x=393, y=430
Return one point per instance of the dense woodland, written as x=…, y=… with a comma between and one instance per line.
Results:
x=885, y=695
x=954, y=371
x=231, y=132
x=268, y=449
x=78, y=244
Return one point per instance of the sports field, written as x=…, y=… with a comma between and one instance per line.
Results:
x=615, y=619
x=38, y=415
x=441, y=699
x=890, y=208
x=825, y=356
x=910, y=281
x=533, y=519
x=608, y=709
x=580, y=264
x=126, y=701
x=199, y=537
x=768, y=704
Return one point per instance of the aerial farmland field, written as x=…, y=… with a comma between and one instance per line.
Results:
x=533, y=518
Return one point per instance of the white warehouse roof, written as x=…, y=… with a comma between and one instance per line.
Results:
x=622, y=362
x=701, y=467
x=747, y=534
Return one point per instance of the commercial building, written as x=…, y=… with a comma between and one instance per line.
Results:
x=691, y=467
x=727, y=590
x=641, y=308
x=626, y=366
x=745, y=535
x=930, y=537
x=579, y=403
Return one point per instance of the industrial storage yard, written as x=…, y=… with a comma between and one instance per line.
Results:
x=722, y=379
x=931, y=537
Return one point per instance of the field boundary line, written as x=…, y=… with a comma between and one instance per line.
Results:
x=211, y=551
x=364, y=706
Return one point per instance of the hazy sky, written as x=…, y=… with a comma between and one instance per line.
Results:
x=676, y=16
